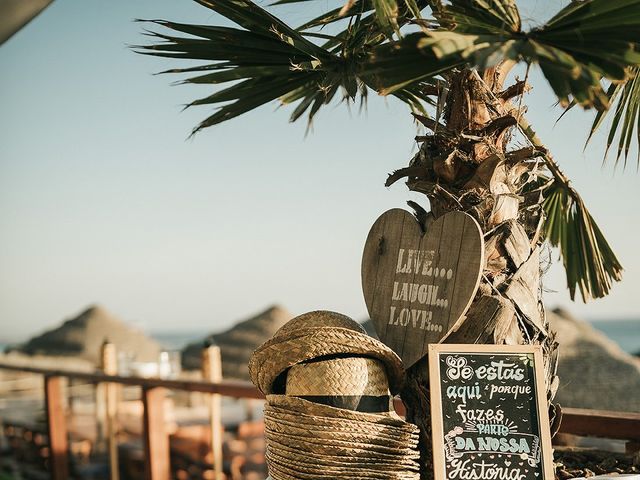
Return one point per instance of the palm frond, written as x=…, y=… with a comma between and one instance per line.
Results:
x=251, y=17
x=585, y=42
x=575, y=49
x=268, y=63
x=271, y=61
x=625, y=100
x=337, y=14
x=580, y=45
x=481, y=16
x=397, y=65
x=387, y=15
x=590, y=264
x=390, y=14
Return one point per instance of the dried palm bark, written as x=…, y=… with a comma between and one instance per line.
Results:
x=464, y=163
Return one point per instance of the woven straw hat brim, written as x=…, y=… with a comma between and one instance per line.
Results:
x=301, y=468
x=355, y=464
x=305, y=408
x=329, y=425
x=282, y=471
x=338, y=446
x=280, y=475
x=319, y=424
x=347, y=458
x=386, y=435
x=389, y=421
x=327, y=458
x=290, y=348
x=318, y=457
x=312, y=460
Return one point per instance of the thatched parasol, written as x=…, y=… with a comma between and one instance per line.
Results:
x=238, y=343
x=83, y=336
x=594, y=372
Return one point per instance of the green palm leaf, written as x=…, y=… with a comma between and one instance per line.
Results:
x=481, y=16
x=625, y=124
x=590, y=264
x=575, y=49
x=272, y=61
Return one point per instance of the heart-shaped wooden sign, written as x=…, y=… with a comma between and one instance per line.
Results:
x=417, y=285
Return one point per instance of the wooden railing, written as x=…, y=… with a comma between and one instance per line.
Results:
x=155, y=438
x=602, y=423
x=594, y=423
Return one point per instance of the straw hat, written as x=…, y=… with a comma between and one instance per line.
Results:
x=355, y=383
x=329, y=411
x=304, y=408
x=307, y=440
x=338, y=376
x=315, y=335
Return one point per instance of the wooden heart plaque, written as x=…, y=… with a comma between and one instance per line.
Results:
x=417, y=285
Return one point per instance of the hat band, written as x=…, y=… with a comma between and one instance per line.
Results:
x=358, y=403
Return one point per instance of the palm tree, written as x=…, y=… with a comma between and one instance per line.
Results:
x=449, y=61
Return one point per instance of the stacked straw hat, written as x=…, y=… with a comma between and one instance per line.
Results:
x=329, y=411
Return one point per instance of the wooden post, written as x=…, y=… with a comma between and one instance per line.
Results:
x=57, y=428
x=212, y=372
x=101, y=418
x=156, y=441
x=110, y=367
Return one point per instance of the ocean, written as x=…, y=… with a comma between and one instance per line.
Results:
x=625, y=333
x=179, y=340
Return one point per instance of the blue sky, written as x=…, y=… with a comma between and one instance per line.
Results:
x=102, y=198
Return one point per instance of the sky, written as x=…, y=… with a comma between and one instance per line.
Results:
x=103, y=199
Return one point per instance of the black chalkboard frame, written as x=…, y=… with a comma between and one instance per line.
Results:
x=437, y=425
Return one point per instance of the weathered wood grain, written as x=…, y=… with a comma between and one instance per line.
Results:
x=57, y=428
x=523, y=290
x=601, y=423
x=228, y=388
x=156, y=439
x=109, y=362
x=516, y=243
x=212, y=371
x=505, y=208
x=417, y=285
x=487, y=320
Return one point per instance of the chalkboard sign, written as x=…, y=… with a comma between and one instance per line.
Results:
x=489, y=413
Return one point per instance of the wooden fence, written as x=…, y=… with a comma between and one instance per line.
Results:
x=155, y=438
x=616, y=425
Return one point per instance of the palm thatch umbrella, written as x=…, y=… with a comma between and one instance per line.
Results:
x=594, y=371
x=83, y=335
x=238, y=343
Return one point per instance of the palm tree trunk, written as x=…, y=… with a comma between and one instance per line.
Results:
x=464, y=164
